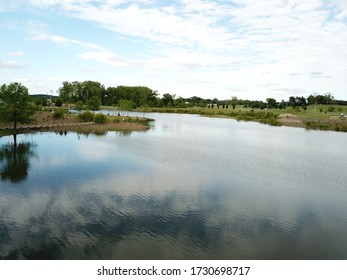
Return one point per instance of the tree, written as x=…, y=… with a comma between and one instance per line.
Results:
x=15, y=104
x=271, y=102
x=58, y=102
x=311, y=99
x=126, y=105
x=93, y=103
x=79, y=106
x=234, y=101
x=168, y=100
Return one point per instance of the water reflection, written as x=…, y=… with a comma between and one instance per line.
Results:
x=180, y=191
x=15, y=160
x=101, y=222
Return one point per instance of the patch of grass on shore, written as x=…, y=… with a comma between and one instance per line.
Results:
x=100, y=124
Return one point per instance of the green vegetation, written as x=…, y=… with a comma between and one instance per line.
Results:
x=93, y=103
x=86, y=116
x=79, y=106
x=100, y=118
x=314, y=112
x=58, y=114
x=15, y=105
x=126, y=105
x=58, y=102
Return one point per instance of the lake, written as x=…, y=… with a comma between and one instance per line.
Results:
x=188, y=188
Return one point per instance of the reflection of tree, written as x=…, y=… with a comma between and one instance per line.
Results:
x=15, y=160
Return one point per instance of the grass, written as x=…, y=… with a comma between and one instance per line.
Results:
x=321, y=117
x=315, y=117
x=43, y=121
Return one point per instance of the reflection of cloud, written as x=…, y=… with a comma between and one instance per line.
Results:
x=180, y=197
x=119, y=218
x=98, y=152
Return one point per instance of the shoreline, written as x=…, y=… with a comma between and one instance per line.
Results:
x=306, y=120
x=43, y=122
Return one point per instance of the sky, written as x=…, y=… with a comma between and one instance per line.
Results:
x=206, y=48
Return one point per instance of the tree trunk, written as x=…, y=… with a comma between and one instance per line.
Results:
x=14, y=126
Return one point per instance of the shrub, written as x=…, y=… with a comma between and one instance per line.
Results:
x=331, y=109
x=58, y=114
x=100, y=118
x=58, y=102
x=86, y=116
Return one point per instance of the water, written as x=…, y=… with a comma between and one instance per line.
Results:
x=189, y=188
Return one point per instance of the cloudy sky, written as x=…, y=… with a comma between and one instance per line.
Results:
x=208, y=48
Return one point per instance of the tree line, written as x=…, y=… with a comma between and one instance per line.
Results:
x=17, y=105
x=140, y=96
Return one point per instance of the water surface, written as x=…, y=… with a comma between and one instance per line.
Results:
x=189, y=188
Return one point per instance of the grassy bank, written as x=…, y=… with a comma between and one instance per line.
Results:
x=321, y=117
x=45, y=121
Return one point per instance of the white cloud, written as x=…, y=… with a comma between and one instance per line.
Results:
x=41, y=36
x=11, y=64
x=105, y=57
x=16, y=53
x=236, y=41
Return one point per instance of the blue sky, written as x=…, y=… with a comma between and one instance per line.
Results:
x=212, y=49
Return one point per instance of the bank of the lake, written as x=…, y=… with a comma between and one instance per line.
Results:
x=314, y=117
x=44, y=121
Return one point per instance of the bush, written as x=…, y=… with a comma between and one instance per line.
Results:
x=58, y=102
x=58, y=114
x=331, y=109
x=86, y=116
x=100, y=118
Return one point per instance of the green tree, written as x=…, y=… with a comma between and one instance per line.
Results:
x=271, y=102
x=234, y=101
x=68, y=92
x=79, y=106
x=15, y=104
x=168, y=100
x=311, y=99
x=94, y=104
x=126, y=105
x=58, y=102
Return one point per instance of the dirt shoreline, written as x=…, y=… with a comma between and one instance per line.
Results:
x=291, y=120
x=43, y=122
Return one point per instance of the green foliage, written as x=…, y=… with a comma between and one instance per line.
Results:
x=94, y=103
x=58, y=114
x=100, y=118
x=260, y=116
x=79, y=106
x=126, y=105
x=86, y=116
x=81, y=91
x=325, y=125
x=331, y=109
x=15, y=104
x=271, y=103
x=41, y=101
x=58, y=102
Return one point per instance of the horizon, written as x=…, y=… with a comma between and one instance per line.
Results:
x=210, y=49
